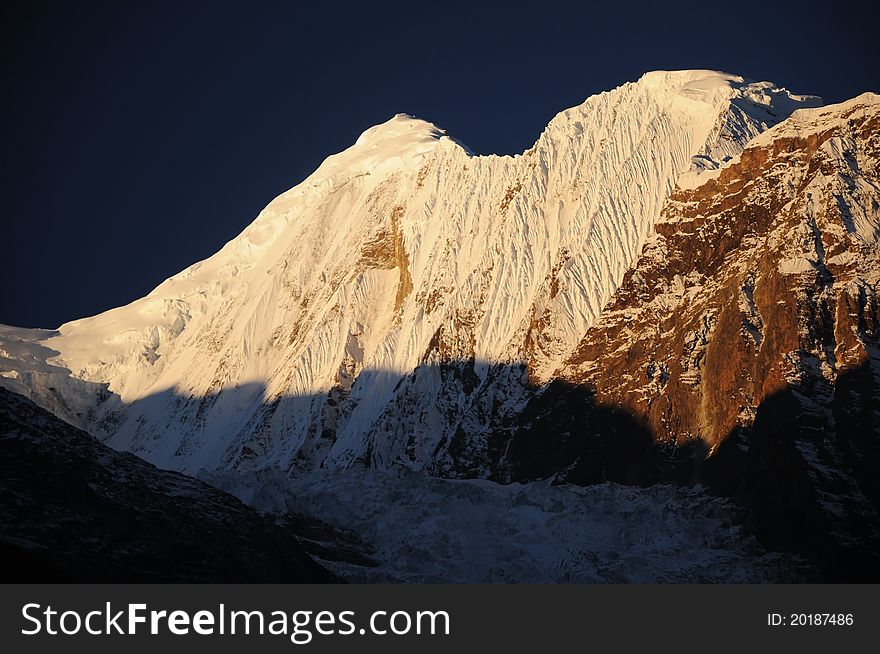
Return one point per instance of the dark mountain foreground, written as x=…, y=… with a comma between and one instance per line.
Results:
x=72, y=509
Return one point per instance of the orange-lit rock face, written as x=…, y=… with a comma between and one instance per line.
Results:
x=759, y=280
x=743, y=348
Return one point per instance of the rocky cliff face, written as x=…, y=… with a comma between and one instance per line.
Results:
x=744, y=346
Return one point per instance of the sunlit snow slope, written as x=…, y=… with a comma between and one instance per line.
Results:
x=296, y=344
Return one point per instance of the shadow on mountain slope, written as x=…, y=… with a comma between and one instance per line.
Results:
x=568, y=436
x=805, y=471
x=74, y=510
x=810, y=476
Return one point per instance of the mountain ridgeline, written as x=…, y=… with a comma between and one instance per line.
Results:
x=677, y=282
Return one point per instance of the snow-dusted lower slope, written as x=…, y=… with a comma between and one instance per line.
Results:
x=296, y=344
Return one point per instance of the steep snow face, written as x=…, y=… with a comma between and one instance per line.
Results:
x=324, y=332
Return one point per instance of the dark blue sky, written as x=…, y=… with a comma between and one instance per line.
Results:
x=140, y=137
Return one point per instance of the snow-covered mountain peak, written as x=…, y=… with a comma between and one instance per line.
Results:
x=744, y=108
x=402, y=142
x=402, y=129
x=710, y=84
x=404, y=252
x=692, y=78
